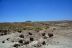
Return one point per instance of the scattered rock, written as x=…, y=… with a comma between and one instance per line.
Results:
x=16, y=45
x=3, y=41
x=19, y=31
x=5, y=33
x=34, y=46
x=8, y=38
x=54, y=28
x=1, y=34
x=38, y=45
x=30, y=33
x=45, y=37
x=12, y=41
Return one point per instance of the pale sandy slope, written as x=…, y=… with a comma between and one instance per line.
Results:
x=62, y=39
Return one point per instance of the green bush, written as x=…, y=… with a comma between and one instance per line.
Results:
x=38, y=29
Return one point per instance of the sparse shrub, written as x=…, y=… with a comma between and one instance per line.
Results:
x=30, y=33
x=28, y=24
x=8, y=38
x=3, y=41
x=31, y=39
x=37, y=29
x=34, y=46
x=1, y=34
x=45, y=37
x=50, y=34
x=26, y=42
x=43, y=43
x=4, y=30
x=37, y=45
x=27, y=28
x=24, y=28
x=20, y=41
x=0, y=30
x=12, y=41
x=16, y=45
x=54, y=28
x=21, y=36
x=46, y=27
x=19, y=31
x=43, y=34
x=5, y=33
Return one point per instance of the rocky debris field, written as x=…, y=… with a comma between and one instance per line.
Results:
x=53, y=37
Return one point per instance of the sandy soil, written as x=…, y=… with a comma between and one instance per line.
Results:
x=62, y=38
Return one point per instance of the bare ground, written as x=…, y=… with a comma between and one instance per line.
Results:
x=61, y=38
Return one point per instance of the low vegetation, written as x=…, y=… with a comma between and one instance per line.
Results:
x=21, y=36
x=16, y=45
x=50, y=34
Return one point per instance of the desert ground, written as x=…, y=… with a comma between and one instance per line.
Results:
x=36, y=34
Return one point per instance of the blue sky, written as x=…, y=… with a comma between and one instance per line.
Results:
x=35, y=10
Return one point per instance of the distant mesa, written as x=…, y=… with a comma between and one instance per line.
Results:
x=28, y=21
